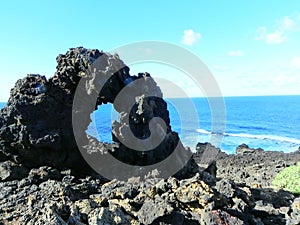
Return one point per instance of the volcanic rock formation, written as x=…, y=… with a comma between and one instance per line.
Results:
x=42, y=117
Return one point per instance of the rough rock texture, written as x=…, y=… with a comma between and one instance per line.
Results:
x=49, y=196
x=254, y=167
x=12, y=171
x=36, y=125
x=44, y=178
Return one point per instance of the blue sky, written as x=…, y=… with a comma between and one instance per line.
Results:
x=251, y=48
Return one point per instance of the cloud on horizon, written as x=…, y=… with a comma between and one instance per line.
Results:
x=275, y=37
x=295, y=62
x=235, y=53
x=190, y=37
x=284, y=26
x=221, y=67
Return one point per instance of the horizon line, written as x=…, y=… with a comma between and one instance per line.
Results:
x=223, y=96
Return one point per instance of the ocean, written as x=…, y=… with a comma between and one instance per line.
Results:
x=267, y=122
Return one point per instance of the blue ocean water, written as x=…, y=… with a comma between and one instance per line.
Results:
x=268, y=122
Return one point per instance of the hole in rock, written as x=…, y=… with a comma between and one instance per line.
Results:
x=101, y=124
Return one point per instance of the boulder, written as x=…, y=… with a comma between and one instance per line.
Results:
x=245, y=149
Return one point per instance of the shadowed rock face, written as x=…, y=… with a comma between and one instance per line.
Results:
x=36, y=125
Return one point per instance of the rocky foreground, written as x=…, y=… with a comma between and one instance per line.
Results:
x=45, y=177
x=48, y=196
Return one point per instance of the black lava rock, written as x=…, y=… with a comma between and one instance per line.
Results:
x=37, y=124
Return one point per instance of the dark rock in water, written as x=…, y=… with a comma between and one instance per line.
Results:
x=254, y=167
x=36, y=126
x=244, y=149
x=206, y=154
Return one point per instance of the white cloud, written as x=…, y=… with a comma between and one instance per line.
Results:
x=283, y=27
x=236, y=53
x=287, y=24
x=190, y=37
x=275, y=37
x=286, y=80
x=259, y=79
x=295, y=62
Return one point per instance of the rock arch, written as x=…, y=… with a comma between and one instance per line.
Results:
x=36, y=125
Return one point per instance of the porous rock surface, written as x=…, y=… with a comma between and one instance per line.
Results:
x=49, y=196
x=254, y=167
x=36, y=126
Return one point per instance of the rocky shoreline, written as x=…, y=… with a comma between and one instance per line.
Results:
x=49, y=196
x=44, y=177
x=254, y=167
